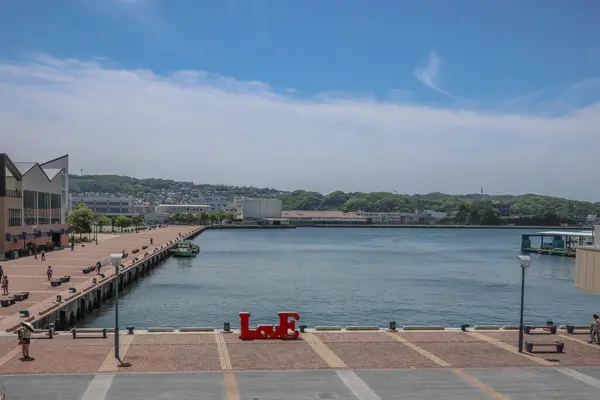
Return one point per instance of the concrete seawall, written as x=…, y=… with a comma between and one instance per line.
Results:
x=91, y=290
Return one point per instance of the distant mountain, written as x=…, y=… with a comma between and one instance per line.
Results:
x=142, y=188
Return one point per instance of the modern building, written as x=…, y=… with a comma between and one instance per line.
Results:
x=587, y=265
x=324, y=217
x=168, y=209
x=34, y=204
x=257, y=209
x=106, y=205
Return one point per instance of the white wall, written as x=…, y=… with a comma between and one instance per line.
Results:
x=597, y=234
x=262, y=208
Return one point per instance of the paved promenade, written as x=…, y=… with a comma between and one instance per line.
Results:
x=28, y=274
x=320, y=365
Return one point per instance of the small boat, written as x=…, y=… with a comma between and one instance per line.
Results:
x=186, y=249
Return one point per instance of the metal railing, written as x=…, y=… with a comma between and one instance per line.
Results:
x=12, y=193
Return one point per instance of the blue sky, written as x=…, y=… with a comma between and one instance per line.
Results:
x=413, y=96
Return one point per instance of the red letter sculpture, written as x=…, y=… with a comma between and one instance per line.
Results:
x=285, y=330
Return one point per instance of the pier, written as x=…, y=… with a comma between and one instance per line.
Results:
x=81, y=293
x=346, y=364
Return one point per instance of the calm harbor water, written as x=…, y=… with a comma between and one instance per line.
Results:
x=350, y=276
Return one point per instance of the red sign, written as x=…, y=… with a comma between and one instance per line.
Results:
x=285, y=330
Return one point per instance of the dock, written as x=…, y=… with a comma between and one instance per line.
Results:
x=73, y=300
x=448, y=364
x=556, y=243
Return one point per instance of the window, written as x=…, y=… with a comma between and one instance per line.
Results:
x=44, y=208
x=14, y=217
x=55, y=207
x=30, y=207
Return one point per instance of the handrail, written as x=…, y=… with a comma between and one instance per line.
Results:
x=12, y=193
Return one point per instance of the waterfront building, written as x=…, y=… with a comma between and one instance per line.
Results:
x=34, y=204
x=324, y=217
x=587, y=265
x=248, y=209
x=169, y=209
x=393, y=218
x=106, y=205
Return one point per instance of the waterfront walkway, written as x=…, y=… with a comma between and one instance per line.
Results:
x=320, y=365
x=28, y=274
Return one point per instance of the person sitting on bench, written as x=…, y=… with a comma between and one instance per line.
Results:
x=595, y=330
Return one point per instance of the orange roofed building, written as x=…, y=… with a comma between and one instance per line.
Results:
x=324, y=217
x=33, y=205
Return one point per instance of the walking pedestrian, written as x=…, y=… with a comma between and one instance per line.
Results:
x=1, y=273
x=49, y=272
x=43, y=256
x=5, y=285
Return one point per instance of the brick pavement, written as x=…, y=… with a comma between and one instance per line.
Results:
x=29, y=274
x=200, y=352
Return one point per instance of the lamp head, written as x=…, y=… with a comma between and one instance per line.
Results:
x=115, y=259
x=524, y=261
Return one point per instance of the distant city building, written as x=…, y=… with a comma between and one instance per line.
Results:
x=168, y=209
x=255, y=209
x=106, y=205
x=503, y=208
x=217, y=203
x=33, y=203
x=324, y=217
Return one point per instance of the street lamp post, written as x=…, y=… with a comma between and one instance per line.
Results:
x=35, y=234
x=524, y=262
x=96, y=232
x=116, y=261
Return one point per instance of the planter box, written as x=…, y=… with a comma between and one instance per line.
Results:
x=4, y=303
x=19, y=297
x=55, y=283
x=25, y=295
x=135, y=251
x=11, y=300
x=65, y=279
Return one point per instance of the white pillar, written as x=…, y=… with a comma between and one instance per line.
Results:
x=597, y=234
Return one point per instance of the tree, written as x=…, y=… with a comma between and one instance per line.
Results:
x=102, y=221
x=204, y=218
x=81, y=219
x=137, y=221
x=123, y=222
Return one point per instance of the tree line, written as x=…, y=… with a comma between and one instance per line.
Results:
x=528, y=209
x=83, y=220
x=203, y=218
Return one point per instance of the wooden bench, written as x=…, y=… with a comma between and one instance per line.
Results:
x=560, y=346
x=572, y=328
x=89, y=333
x=540, y=329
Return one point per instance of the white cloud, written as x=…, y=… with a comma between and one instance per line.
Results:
x=428, y=75
x=192, y=125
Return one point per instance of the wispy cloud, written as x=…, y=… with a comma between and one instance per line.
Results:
x=428, y=75
x=198, y=126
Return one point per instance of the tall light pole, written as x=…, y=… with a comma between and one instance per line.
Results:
x=35, y=235
x=524, y=262
x=115, y=259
